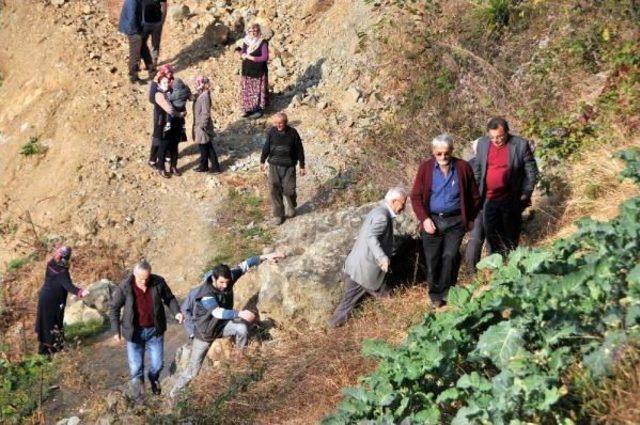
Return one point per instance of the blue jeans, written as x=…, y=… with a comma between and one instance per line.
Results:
x=145, y=339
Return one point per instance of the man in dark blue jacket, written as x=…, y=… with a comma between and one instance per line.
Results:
x=209, y=314
x=131, y=26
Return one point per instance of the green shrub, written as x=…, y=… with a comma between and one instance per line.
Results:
x=20, y=387
x=32, y=147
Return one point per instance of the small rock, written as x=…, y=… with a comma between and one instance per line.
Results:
x=179, y=12
x=58, y=2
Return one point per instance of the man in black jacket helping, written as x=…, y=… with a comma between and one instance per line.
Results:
x=284, y=150
x=140, y=297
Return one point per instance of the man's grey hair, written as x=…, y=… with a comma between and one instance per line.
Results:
x=443, y=140
x=142, y=266
x=282, y=116
x=395, y=193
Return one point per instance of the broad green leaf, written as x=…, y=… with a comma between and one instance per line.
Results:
x=491, y=262
x=474, y=382
x=500, y=343
x=448, y=395
x=428, y=416
x=600, y=361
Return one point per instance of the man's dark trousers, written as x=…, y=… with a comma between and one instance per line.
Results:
x=282, y=180
x=353, y=292
x=474, y=246
x=502, y=224
x=441, y=254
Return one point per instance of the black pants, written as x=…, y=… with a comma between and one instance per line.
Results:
x=474, y=246
x=441, y=254
x=502, y=224
x=155, y=147
x=208, y=153
x=153, y=31
x=353, y=293
x=168, y=147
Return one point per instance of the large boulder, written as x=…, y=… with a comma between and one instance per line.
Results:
x=78, y=312
x=100, y=295
x=308, y=285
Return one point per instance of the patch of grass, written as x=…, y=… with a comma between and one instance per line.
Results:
x=85, y=330
x=22, y=384
x=33, y=147
x=245, y=233
x=17, y=263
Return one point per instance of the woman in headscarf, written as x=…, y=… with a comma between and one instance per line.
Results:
x=254, y=81
x=203, y=127
x=167, y=71
x=52, y=301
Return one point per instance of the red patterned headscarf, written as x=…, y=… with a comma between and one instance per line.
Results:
x=166, y=70
x=62, y=255
x=200, y=82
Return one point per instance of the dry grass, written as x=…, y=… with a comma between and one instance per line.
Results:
x=594, y=190
x=617, y=399
x=298, y=378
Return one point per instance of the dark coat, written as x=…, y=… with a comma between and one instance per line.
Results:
x=207, y=327
x=523, y=170
x=124, y=297
x=421, y=193
x=51, y=303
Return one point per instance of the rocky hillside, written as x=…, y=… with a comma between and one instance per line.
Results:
x=367, y=84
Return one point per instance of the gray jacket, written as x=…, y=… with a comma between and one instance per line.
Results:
x=202, y=122
x=373, y=245
x=523, y=170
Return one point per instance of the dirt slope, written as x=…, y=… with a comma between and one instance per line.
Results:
x=64, y=82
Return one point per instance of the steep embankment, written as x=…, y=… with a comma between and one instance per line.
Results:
x=65, y=85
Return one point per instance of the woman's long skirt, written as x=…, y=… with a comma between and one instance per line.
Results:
x=253, y=93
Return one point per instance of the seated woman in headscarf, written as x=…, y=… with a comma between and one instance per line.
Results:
x=254, y=81
x=52, y=301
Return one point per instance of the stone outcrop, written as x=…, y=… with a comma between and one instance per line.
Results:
x=307, y=285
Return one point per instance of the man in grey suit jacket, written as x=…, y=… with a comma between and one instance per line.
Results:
x=506, y=173
x=368, y=262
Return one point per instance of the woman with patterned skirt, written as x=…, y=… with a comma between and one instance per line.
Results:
x=254, y=81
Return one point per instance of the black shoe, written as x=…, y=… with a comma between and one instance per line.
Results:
x=257, y=114
x=215, y=171
x=245, y=114
x=151, y=164
x=155, y=388
x=201, y=170
x=175, y=172
x=134, y=79
x=164, y=174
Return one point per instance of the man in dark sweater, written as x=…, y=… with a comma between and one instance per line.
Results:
x=283, y=149
x=143, y=323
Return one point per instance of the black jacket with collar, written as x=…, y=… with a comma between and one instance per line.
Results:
x=523, y=170
x=124, y=299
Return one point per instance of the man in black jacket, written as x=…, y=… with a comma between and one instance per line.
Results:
x=284, y=150
x=143, y=323
x=506, y=172
x=215, y=317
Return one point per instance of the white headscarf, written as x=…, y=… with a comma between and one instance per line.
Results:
x=253, y=43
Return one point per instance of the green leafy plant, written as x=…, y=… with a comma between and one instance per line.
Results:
x=502, y=355
x=32, y=147
x=19, y=387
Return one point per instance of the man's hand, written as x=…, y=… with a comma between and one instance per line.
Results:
x=274, y=256
x=82, y=293
x=429, y=226
x=384, y=265
x=263, y=167
x=247, y=316
x=179, y=318
x=303, y=171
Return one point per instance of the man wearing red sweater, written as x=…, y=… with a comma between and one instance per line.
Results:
x=445, y=200
x=506, y=172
